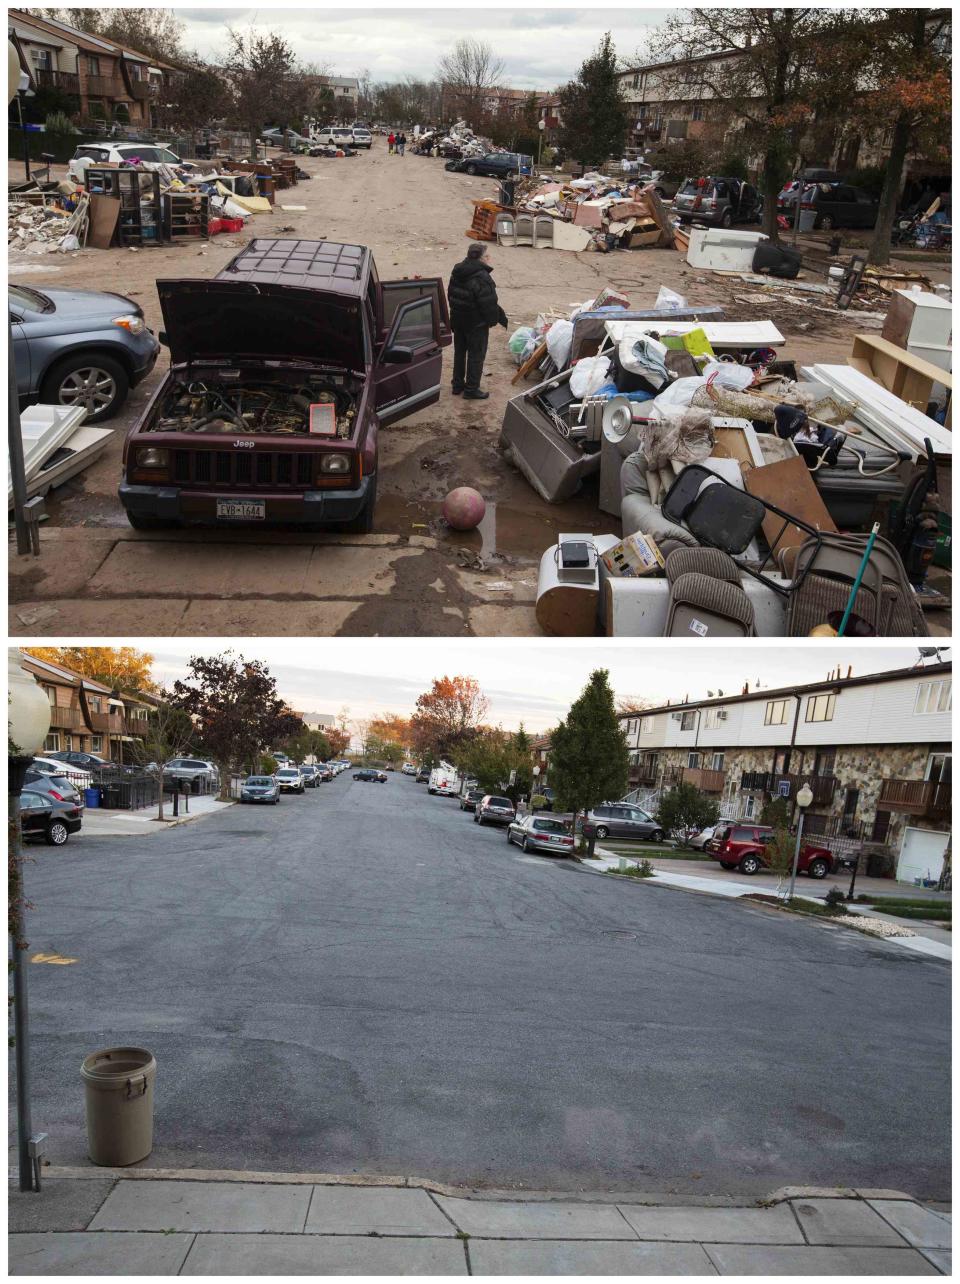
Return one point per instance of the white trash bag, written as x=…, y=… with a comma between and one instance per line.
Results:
x=559, y=342
x=588, y=375
x=669, y=301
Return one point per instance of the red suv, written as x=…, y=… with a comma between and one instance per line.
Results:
x=743, y=847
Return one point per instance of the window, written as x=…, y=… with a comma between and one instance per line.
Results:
x=698, y=111
x=881, y=827
x=688, y=721
x=716, y=762
x=824, y=762
x=934, y=697
x=776, y=713
x=820, y=708
x=714, y=718
x=94, y=703
x=137, y=714
x=96, y=744
x=68, y=741
x=41, y=59
x=52, y=742
x=748, y=807
x=93, y=65
x=781, y=762
x=646, y=726
x=693, y=759
x=850, y=804
x=51, y=696
x=939, y=768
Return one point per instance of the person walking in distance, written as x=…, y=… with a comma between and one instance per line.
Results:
x=474, y=309
x=401, y=143
x=391, y=142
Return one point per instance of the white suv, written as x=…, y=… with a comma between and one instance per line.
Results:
x=152, y=156
x=362, y=137
x=334, y=135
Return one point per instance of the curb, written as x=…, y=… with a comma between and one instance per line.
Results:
x=154, y=826
x=654, y=1198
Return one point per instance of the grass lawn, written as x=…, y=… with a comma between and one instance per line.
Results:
x=619, y=847
x=914, y=901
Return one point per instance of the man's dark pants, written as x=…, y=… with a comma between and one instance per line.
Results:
x=469, y=353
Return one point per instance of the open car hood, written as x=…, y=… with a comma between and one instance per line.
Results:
x=217, y=320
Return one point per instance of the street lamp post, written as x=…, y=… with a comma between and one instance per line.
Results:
x=29, y=722
x=533, y=786
x=804, y=799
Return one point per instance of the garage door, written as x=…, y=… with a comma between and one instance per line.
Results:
x=921, y=854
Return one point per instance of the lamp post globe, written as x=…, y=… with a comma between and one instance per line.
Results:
x=804, y=799
x=28, y=712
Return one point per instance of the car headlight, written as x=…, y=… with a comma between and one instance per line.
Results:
x=334, y=463
x=153, y=458
x=136, y=325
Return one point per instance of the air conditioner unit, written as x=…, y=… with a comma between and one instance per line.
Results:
x=722, y=715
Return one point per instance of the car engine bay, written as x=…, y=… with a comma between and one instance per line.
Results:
x=322, y=406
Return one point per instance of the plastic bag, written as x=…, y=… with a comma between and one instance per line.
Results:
x=519, y=340
x=679, y=394
x=559, y=342
x=729, y=374
x=668, y=300
x=68, y=244
x=589, y=375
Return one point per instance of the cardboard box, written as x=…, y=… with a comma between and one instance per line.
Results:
x=634, y=556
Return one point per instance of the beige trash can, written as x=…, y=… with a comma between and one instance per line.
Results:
x=119, y=1100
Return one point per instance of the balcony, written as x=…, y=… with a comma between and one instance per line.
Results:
x=768, y=782
x=754, y=780
x=66, y=718
x=112, y=723
x=704, y=779
x=68, y=81
x=929, y=798
x=106, y=87
x=140, y=89
x=643, y=774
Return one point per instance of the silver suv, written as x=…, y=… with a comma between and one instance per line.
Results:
x=194, y=770
x=624, y=820
x=494, y=809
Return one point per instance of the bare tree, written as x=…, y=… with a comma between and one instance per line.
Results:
x=267, y=82
x=169, y=734
x=469, y=72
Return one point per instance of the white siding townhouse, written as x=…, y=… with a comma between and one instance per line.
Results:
x=875, y=750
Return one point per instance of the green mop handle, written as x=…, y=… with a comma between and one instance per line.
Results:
x=856, y=583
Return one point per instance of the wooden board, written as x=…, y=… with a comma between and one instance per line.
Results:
x=104, y=215
x=788, y=484
x=907, y=376
x=569, y=610
x=531, y=363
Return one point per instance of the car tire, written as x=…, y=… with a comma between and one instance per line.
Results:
x=726, y=218
x=824, y=222
x=602, y=832
x=470, y=169
x=750, y=865
x=109, y=377
x=656, y=836
x=818, y=868
x=524, y=846
x=57, y=833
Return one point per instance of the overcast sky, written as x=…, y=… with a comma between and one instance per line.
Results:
x=530, y=682
x=540, y=48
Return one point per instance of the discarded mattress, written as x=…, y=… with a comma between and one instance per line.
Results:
x=721, y=334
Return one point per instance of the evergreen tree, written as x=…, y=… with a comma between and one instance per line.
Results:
x=593, y=108
x=589, y=759
x=684, y=809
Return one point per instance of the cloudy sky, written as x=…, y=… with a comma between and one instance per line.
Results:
x=540, y=48
x=533, y=683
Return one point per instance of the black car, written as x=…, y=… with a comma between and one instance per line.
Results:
x=44, y=817
x=423, y=776
x=470, y=799
x=367, y=773
x=89, y=761
x=59, y=788
x=836, y=205
x=493, y=165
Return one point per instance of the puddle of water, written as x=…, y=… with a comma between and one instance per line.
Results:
x=507, y=530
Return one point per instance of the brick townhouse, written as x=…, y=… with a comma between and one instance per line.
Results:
x=874, y=749
x=88, y=716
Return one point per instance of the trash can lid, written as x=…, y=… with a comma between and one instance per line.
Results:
x=117, y=1063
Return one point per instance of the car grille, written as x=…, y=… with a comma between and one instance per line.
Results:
x=244, y=469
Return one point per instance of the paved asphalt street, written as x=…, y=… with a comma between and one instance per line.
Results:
x=363, y=980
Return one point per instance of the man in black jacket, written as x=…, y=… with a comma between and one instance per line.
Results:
x=473, y=310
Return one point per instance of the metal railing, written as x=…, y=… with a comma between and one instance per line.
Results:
x=916, y=797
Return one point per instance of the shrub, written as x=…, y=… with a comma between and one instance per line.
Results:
x=834, y=898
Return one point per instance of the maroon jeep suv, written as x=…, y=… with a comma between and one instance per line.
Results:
x=743, y=847
x=283, y=368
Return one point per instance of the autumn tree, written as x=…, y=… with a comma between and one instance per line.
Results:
x=155, y=31
x=392, y=728
x=589, y=760
x=339, y=741
x=236, y=710
x=167, y=734
x=448, y=717
x=593, y=108
x=121, y=668
x=783, y=68
x=469, y=72
x=911, y=96
x=267, y=82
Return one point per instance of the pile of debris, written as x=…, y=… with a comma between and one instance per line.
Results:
x=57, y=224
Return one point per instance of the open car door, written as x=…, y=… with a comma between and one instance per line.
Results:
x=410, y=354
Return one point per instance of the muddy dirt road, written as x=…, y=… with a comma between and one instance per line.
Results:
x=97, y=577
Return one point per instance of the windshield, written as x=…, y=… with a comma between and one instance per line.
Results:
x=31, y=299
x=260, y=780
x=500, y=802
x=287, y=774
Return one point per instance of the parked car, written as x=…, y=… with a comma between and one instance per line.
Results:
x=495, y=809
x=836, y=205
x=408, y=769
x=368, y=773
x=550, y=797
x=469, y=800
x=59, y=788
x=699, y=840
x=306, y=326
x=79, y=348
x=289, y=780
x=48, y=818
x=335, y=136
x=423, y=776
x=665, y=186
x=362, y=137
x=260, y=789
x=743, y=847
x=311, y=776
x=717, y=199
x=194, y=770
x=541, y=834
x=492, y=165
x=81, y=777
x=625, y=820
x=75, y=758
x=105, y=151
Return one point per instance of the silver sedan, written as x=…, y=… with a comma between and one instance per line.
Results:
x=541, y=834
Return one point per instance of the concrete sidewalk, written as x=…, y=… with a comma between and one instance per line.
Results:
x=295, y=1225
x=98, y=823
x=921, y=939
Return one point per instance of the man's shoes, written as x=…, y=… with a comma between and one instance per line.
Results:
x=456, y=392
x=470, y=395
